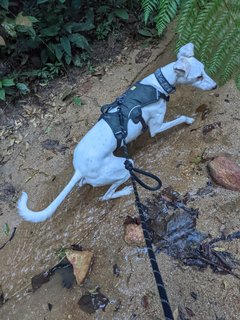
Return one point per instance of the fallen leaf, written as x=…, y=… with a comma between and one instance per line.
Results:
x=91, y=302
x=50, y=144
x=209, y=127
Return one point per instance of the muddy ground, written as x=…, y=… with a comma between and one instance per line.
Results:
x=97, y=226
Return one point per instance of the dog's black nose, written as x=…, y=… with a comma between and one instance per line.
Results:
x=215, y=87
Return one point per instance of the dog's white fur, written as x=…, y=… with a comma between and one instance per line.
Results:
x=93, y=160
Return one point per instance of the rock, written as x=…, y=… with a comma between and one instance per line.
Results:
x=81, y=262
x=133, y=235
x=225, y=172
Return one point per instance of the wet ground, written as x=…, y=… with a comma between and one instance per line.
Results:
x=176, y=156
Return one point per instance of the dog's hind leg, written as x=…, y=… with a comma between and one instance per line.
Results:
x=116, y=174
x=113, y=194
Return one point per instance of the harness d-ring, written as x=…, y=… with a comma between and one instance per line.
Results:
x=130, y=168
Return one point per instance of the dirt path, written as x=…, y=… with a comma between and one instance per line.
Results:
x=99, y=226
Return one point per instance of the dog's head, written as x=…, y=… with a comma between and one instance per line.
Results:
x=191, y=71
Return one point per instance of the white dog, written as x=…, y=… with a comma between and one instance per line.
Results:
x=93, y=160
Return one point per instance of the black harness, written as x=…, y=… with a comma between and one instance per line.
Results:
x=131, y=104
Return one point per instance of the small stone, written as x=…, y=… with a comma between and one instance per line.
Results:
x=81, y=262
x=225, y=172
x=133, y=235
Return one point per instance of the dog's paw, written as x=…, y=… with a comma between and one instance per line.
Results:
x=189, y=120
x=127, y=190
x=117, y=194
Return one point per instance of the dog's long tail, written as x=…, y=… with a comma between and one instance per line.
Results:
x=37, y=216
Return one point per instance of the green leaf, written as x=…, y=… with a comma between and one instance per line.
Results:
x=33, y=19
x=79, y=41
x=2, y=42
x=42, y=1
x=77, y=61
x=77, y=27
x=58, y=51
x=22, y=87
x=76, y=4
x=4, y=4
x=29, y=30
x=61, y=1
x=50, y=31
x=8, y=82
x=103, y=9
x=121, y=13
x=77, y=101
x=6, y=229
x=66, y=45
x=68, y=59
x=2, y=94
x=44, y=55
x=23, y=20
x=9, y=26
x=237, y=80
x=1, y=84
x=145, y=32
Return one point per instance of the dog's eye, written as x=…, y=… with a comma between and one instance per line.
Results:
x=200, y=78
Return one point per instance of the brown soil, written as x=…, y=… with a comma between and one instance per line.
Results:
x=99, y=226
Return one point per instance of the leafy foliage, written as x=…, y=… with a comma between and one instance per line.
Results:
x=51, y=33
x=213, y=27
x=163, y=11
x=39, y=38
x=9, y=86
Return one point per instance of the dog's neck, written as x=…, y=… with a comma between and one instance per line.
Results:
x=169, y=75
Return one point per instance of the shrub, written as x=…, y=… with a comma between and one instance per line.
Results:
x=37, y=38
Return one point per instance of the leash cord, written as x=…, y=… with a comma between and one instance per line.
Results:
x=158, y=278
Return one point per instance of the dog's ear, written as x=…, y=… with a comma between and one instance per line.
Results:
x=186, y=51
x=182, y=67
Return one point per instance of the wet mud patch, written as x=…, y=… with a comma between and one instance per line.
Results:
x=173, y=224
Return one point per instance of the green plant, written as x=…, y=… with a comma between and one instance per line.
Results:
x=8, y=87
x=213, y=27
x=77, y=101
x=39, y=38
x=107, y=18
x=164, y=12
x=52, y=33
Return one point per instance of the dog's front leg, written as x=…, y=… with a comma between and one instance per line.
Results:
x=158, y=127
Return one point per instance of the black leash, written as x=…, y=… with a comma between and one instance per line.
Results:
x=158, y=278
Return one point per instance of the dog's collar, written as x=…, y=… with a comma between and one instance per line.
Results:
x=167, y=87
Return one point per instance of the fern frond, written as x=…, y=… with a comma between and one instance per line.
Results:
x=148, y=7
x=203, y=22
x=237, y=81
x=215, y=29
x=188, y=14
x=228, y=42
x=231, y=64
x=167, y=11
